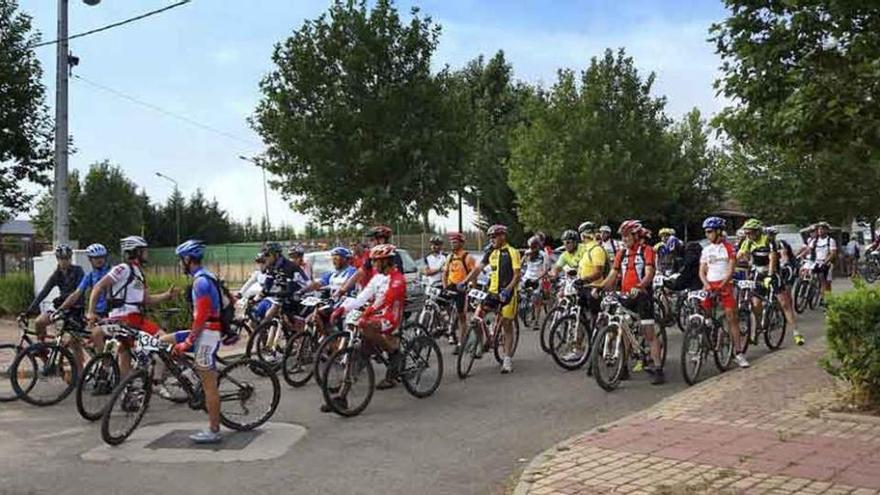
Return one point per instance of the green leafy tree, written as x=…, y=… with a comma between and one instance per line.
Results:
x=357, y=127
x=109, y=206
x=803, y=76
x=25, y=126
x=45, y=207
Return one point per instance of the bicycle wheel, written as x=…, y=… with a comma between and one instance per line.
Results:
x=93, y=391
x=745, y=328
x=349, y=381
x=683, y=312
x=723, y=350
x=127, y=406
x=800, y=296
x=327, y=347
x=870, y=273
x=526, y=312
x=815, y=295
x=423, y=367
x=249, y=394
x=570, y=343
x=498, y=343
x=774, y=319
x=693, y=353
x=8, y=353
x=609, y=357
x=44, y=374
x=470, y=346
x=554, y=314
x=267, y=344
x=298, y=364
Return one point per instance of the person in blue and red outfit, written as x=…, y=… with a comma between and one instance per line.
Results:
x=203, y=338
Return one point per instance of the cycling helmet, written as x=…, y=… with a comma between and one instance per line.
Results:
x=272, y=248
x=824, y=225
x=132, y=242
x=535, y=241
x=771, y=230
x=382, y=251
x=496, y=229
x=605, y=229
x=192, y=248
x=715, y=223
x=569, y=235
x=63, y=251
x=455, y=236
x=380, y=231
x=628, y=226
x=436, y=240
x=260, y=257
x=753, y=224
x=96, y=251
x=666, y=231
x=296, y=250
x=587, y=228
x=340, y=251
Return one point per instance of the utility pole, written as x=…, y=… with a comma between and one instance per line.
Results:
x=265, y=190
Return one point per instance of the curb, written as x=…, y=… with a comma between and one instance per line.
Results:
x=523, y=486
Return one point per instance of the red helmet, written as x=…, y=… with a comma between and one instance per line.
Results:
x=382, y=251
x=628, y=226
x=496, y=229
x=380, y=231
x=455, y=236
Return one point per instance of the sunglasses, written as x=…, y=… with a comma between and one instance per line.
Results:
x=709, y=231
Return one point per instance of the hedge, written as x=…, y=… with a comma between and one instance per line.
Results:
x=16, y=293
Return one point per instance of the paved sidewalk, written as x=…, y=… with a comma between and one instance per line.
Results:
x=762, y=430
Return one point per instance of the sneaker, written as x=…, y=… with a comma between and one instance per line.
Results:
x=659, y=377
x=450, y=340
x=572, y=356
x=798, y=339
x=506, y=365
x=741, y=361
x=163, y=392
x=206, y=437
x=385, y=384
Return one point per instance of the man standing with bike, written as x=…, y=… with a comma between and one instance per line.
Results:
x=435, y=262
x=457, y=267
x=823, y=250
x=535, y=264
x=717, y=266
x=203, y=338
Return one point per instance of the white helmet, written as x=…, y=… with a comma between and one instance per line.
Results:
x=131, y=243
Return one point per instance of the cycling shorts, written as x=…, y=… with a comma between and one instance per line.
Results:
x=725, y=295
x=824, y=273
x=386, y=323
x=508, y=311
x=139, y=321
x=261, y=308
x=644, y=306
x=204, y=348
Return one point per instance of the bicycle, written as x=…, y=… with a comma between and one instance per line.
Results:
x=665, y=302
x=49, y=364
x=531, y=304
x=439, y=315
x=705, y=333
x=620, y=342
x=8, y=353
x=572, y=335
x=268, y=342
x=566, y=296
x=299, y=354
x=480, y=334
x=807, y=292
x=351, y=365
x=239, y=386
x=772, y=322
x=869, y=269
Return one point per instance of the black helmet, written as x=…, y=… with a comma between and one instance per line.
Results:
x=436, y=240
x=570, y=235
x=63, y=251
x=272, y=248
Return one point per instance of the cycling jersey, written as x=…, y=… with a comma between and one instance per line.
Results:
x=592, y=262
x=458, y=265
x=821, y=248
x=503, y=261
x=206, y=302
x=67, y=281
x=611, y=247
x=534, y=265
x=760, y=250
x=128, y=290
x=369, y=272
x=284, y=278
x=388, y=293
x=336, y=279
x=632, y=263
x=570, y=260
x=254, y=284
x=716, y=256
x=435, y=261
x=89, y=281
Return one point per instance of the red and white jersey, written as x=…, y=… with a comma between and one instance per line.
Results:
x=717, y=256
x=388, y=295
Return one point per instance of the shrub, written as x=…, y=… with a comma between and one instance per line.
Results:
x=159, y=284
x=853, y=320
x=16, y=292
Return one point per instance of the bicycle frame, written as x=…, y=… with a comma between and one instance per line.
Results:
x=627, y=320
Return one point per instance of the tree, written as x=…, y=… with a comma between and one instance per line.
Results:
x=109, y=206
x=43, y=218
x=25, y=127
x=595, y=148
x=356, y=126
x=205, y=220
x=803, y=76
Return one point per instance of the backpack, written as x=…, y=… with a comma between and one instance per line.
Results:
x=227, y=306
x=638, y=259
x=117, y=302
x=606, y=268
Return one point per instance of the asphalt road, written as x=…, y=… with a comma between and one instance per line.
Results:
x=472, y=436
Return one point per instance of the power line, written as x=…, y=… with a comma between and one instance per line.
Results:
x=168, y=113
x=115, y=24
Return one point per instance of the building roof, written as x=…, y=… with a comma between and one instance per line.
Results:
x=17, y=227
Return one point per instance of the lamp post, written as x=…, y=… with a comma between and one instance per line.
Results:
x=61, y=215
x=265, y=190
x=177, y=206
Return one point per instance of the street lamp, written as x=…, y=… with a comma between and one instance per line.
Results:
x=265, y=191
x=177, y=206
x=61, y=216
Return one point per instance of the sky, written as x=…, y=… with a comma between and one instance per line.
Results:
x=203, y=61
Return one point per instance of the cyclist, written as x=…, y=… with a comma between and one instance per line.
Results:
x=387, y=293
x=127, y=287
x=97, y=255
x=570, y=258
x=435, y=262
x=688, y=276
x=635, y=265
x=377, y=236
x=66, y=278
x=674, y=248
x=822, y=249
x=457, y=267
x=203, y=337
x=592, y=269
x=254, y=284
x=503, y=282
x=334, y=279
x=717, y=267
x=297, y=253
x=786, y=274
x=284, y=278
x=608, y=243
x=535, y=265
x=762, y=255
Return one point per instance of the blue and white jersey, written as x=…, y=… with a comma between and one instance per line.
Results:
x=335, y=279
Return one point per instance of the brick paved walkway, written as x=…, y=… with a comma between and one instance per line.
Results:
x=762, y=430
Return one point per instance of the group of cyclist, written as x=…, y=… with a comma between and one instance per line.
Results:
x=373, y=279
